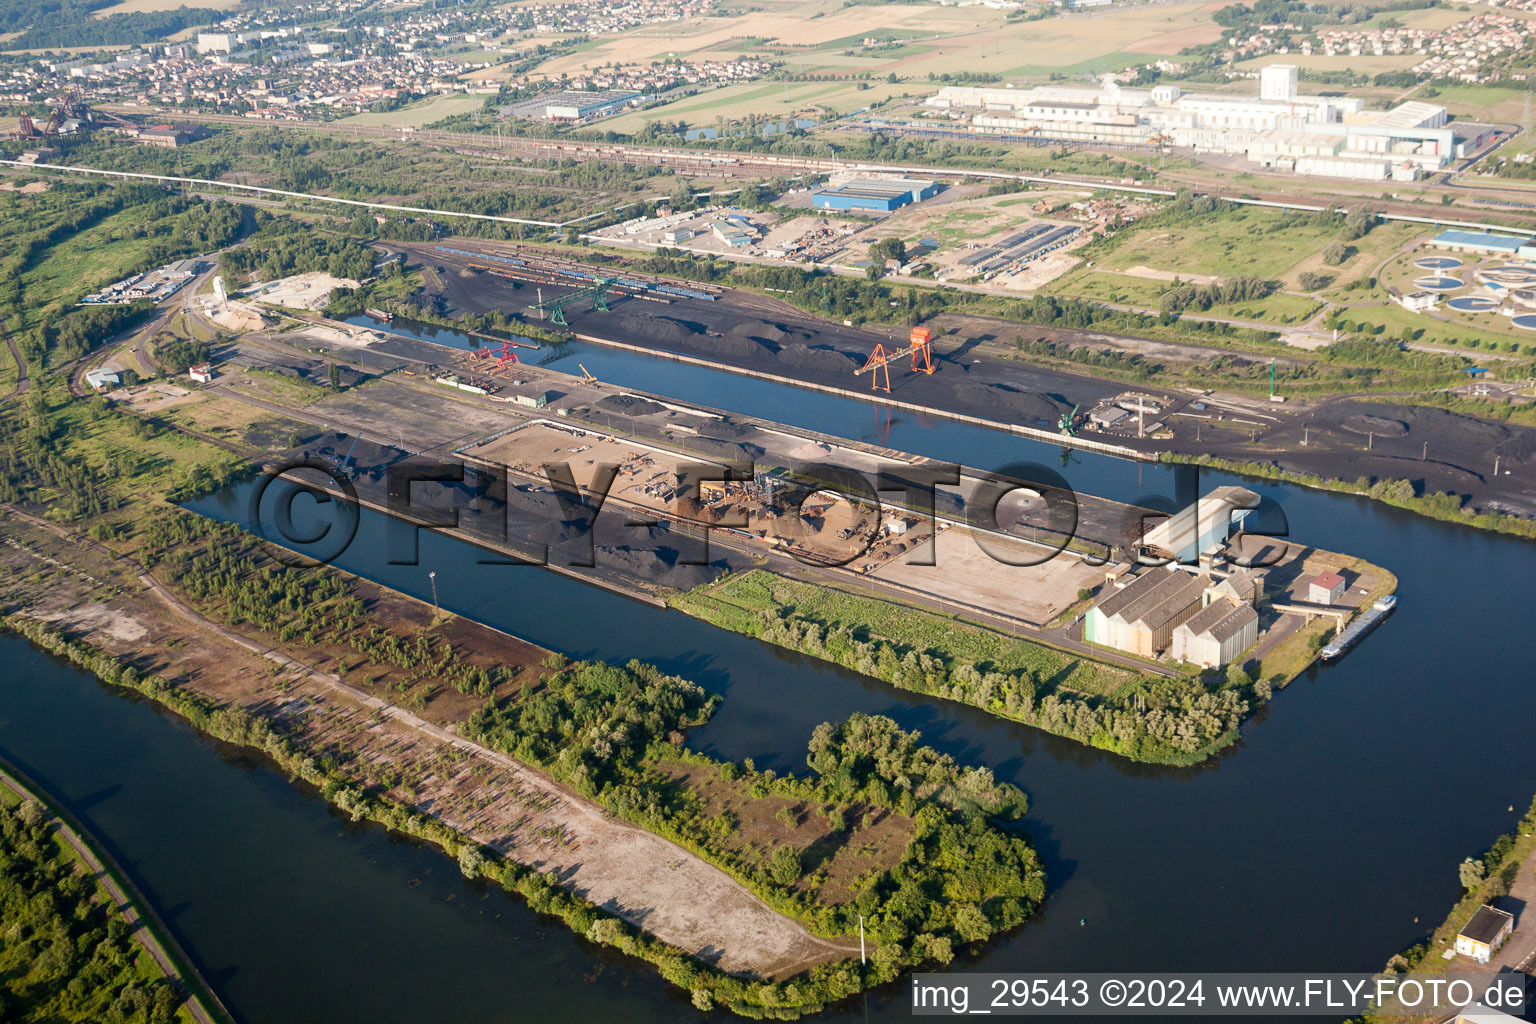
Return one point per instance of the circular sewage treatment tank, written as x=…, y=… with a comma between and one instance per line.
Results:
x=1437, y=262
x=1473, y=304
x=1511, y=274
x=1438, y=284
x=1525, y=320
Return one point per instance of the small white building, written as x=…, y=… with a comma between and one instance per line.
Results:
x=1325, y=588
x=202, y=373
x=1481, y=937
x=1418, y=302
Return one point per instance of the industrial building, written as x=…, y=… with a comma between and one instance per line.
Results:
x=881, y=194
x=1484, y=243
x=573, y=106
x=1326, y=588
x=1140, y=616
x=1280, y=128
x=1206, y=524
x=103, y=377
x=1217, y=634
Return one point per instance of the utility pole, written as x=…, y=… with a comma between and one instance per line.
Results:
x=861, y=940
x=1495, y=465
x=435, y=610
x=1370, y=440
x=1425, y=456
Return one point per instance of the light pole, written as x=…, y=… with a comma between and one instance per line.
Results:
x=435, y=611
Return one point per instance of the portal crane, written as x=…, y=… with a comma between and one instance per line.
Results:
x=597, y=293
x=919, y=347
x=506, y=354
x=1068, y=422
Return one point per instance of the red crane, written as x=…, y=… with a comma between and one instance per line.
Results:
x=919, y=347
x=506, y=354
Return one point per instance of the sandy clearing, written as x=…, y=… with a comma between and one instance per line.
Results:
x=1152, y=274
x=97, y=618
x=304, y=291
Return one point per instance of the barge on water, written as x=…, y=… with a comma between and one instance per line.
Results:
x=1361, y=626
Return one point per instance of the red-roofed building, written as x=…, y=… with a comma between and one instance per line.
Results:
x=1325, y=588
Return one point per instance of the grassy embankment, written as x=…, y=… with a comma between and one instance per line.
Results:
x=1160, y=720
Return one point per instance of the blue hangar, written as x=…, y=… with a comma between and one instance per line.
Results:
x=884, y=194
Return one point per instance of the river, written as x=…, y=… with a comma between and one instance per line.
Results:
x=1313, y=844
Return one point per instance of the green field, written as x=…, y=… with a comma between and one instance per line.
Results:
x=741, y=600
x=766, y=99
x=418, y=114
x=1236, y=241
x=1122, y=289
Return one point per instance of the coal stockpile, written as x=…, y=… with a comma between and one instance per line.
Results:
x=724, y=428
x=816, y=357
x=657, y=330
x=1378, y=425
x=657, y=561
x=629, y=405
x=1025, y=407
x=724, y=450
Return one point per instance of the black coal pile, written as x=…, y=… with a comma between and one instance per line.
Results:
x=656, y=330
x=629, y=405
x=816, y=357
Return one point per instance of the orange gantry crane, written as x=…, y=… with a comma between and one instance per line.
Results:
x=919, y=347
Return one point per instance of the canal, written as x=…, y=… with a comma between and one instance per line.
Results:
x=1312, y=845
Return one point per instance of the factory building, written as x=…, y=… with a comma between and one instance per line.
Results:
x=1217, y=634
x=1280, y=128
x=1204, y=525
x=880, y=194
x=1483, y=243
x=572, y=106
x=1140, y=617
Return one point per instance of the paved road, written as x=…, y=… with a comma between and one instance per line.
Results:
x=122, y=904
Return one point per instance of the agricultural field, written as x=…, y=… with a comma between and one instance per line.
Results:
x=1365, y=64
x=822, y=36
x=418, y=114
x=1477, y=102
x=765, y=99
x=146, y=6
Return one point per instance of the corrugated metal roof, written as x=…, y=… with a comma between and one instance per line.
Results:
x=1154, y=597
x=1222, y=619
x=1479, y=239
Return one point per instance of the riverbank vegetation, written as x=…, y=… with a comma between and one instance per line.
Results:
x=1146, y=718
x=882, y=826
x=66, y=955
x=1403, y=494
x=1485, y=879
